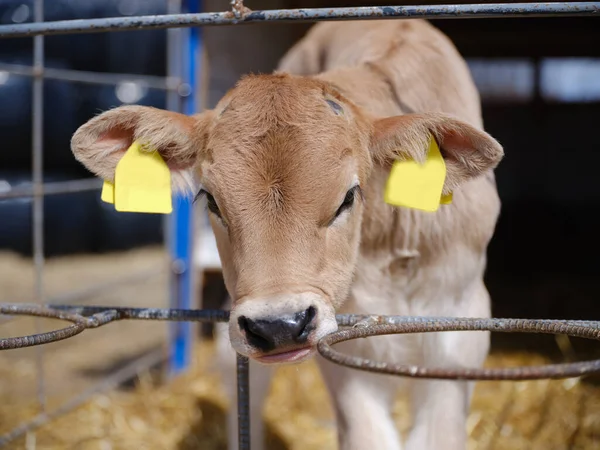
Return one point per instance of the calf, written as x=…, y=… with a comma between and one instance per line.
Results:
x=293, y=167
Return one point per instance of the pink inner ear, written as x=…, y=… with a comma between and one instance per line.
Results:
x=464, y=154
x=117, y=139
x=455, y=145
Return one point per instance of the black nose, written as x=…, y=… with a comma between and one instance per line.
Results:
x=269, y=333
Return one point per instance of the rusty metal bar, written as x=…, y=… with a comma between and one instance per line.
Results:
x=364, y=320
x=78, y=324
x=360, y=327
x=85, y=317
x=370, y=326
x=243, y=402
x=194, y=315
x=466, y=11
x=80, y=76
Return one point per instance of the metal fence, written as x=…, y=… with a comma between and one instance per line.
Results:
x=181, y=84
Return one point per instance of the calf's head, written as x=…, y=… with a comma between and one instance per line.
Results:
x=282, y=162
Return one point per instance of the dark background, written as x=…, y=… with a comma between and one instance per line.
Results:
x=543, y=260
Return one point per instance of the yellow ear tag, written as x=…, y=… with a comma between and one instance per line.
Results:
x=142, y=183
x=446, y=199
x=418, y=186
x=108, y=192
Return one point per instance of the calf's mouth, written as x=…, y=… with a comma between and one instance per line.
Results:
x=286, y=357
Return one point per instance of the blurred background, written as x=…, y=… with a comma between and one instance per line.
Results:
x=539, y=81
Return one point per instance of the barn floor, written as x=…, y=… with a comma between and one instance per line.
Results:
x=189, y=412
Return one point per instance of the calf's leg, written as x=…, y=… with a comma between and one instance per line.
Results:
x=441, y=408
x=363, y=406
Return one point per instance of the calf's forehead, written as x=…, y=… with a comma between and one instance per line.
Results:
x=284, y=150
x=288, y=168
x=296, y=143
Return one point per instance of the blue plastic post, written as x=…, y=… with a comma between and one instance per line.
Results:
x=180, y=223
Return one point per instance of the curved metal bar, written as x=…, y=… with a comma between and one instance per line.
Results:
x=361, y=326
x=582, y=329
x=79, y=324
x=83, y=317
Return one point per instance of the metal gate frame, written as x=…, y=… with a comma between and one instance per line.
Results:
x=181, y=84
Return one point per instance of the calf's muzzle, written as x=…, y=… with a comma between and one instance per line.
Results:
x=269, y=333
x=280, y=328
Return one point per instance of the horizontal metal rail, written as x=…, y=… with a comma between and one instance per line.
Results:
x=465, y=11
x=361, y=326
x=386, y=325
x=54, y=188
x=80, y=76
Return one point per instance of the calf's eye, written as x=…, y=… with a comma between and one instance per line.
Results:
x=211, y=203
x=348, y=201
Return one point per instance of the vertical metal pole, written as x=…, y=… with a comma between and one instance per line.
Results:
x=243, y=402
x=181, y=229
x=37, y=120
x=174, y=56
x=174, y=60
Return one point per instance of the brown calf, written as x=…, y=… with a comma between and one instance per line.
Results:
x=293, y=167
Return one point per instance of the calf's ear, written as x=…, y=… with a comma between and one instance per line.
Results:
x=467, y=151
x=101, y=142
